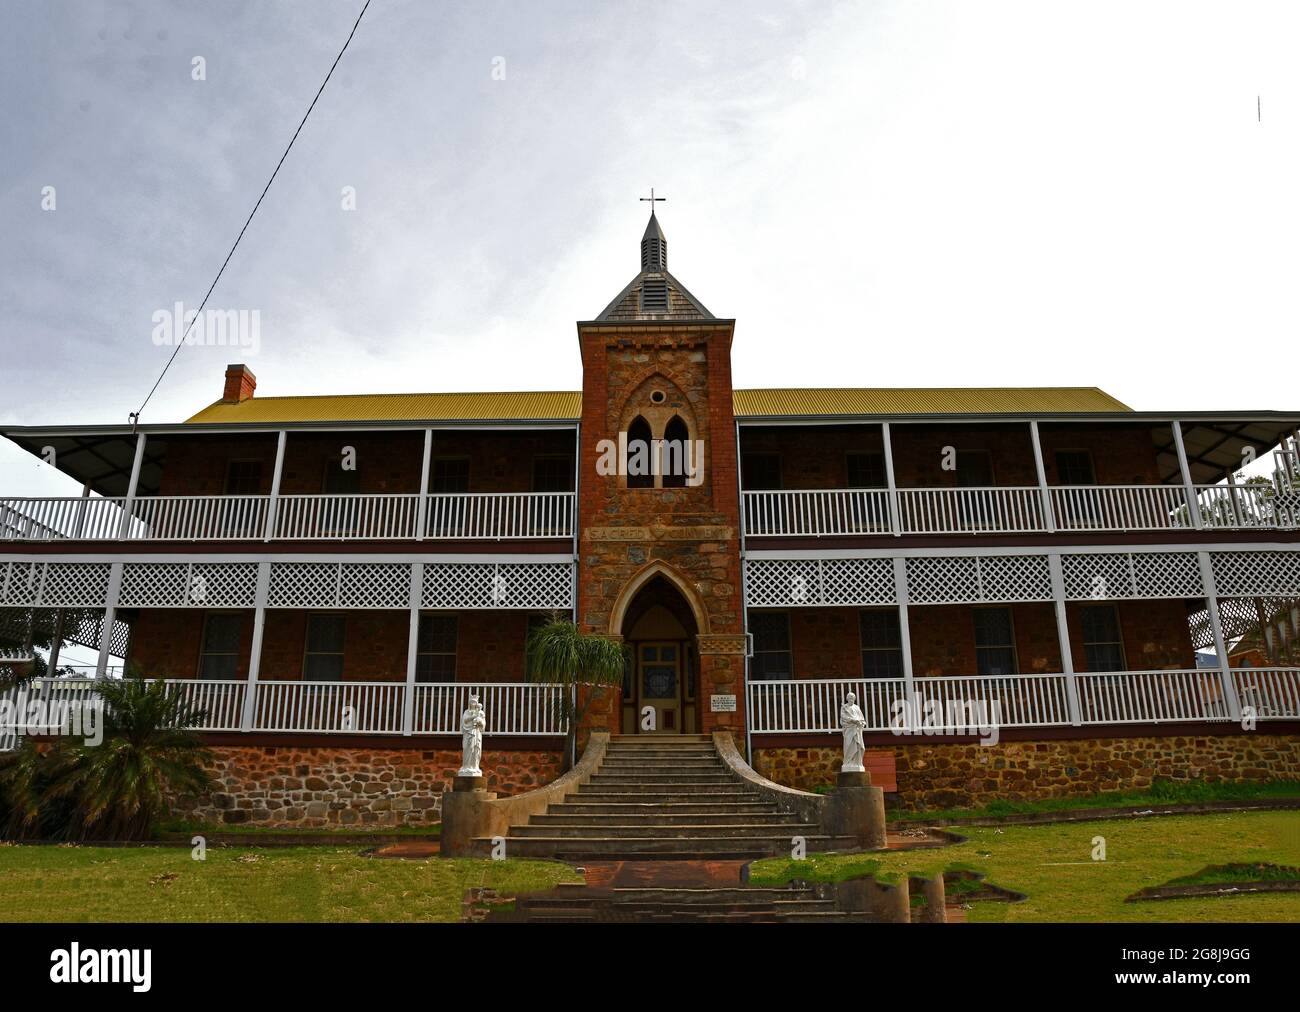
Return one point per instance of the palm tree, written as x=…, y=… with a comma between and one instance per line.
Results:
x=119, y=788
x=560, y=654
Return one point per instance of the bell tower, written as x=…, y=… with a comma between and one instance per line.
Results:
x=659, y=549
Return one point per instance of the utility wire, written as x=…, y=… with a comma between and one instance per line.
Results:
x=135, y=415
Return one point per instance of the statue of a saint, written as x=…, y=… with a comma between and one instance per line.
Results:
x=472, y=723
x=852, y=724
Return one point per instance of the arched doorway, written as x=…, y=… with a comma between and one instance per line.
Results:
x=659, y=627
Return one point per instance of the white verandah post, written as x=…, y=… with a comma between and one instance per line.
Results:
x=110, y=617
x=1189, y=490
x=895, y=516
x=904, y=636
x=255, y=654
x=273, y=503
x=1216, y=626
x=1049, y=515
x=1057, y=576
x=128, y=505
x=422, y=508
x=413, y=644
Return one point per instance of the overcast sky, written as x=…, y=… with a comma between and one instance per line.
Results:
x=910, y=194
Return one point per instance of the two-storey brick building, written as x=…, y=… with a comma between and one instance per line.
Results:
x=330, y=577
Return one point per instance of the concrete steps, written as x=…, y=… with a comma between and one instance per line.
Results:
x=667, y=797
x=719, y=904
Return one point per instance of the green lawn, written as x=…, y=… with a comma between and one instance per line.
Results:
x=45, y=883
x=1051, y=863
x=1054, y=866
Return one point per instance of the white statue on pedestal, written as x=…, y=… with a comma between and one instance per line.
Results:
x=472, y=723
x=852, y=724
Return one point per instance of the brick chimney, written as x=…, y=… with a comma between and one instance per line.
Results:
x=240, y=384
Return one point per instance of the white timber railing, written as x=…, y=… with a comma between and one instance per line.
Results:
x=329, y=707
x=64, y=518
x=319, y=707
x=463, y=516
x=1151, y=697
x=1227, y=507
x=813, y=704
x=500, y=515
x=1119, y=507
x=1272, y=693
x=964, y=703
x=987, y=510
x=510, y=708
x=199, y=518
x=346, y=517
x=847, y=511
x=968, y=702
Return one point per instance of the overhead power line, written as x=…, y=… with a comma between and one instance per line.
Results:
x=135, y=415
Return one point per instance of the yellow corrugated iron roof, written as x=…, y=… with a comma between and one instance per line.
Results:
x=566, y=405
x=508, y=406
x=779, y=402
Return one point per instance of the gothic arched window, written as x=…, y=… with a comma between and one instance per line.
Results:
x=640, y=445
x=676, y=447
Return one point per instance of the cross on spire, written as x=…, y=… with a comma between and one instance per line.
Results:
x=652, y=199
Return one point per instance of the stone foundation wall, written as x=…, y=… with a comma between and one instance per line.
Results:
x=307, y=788
x=945, y=775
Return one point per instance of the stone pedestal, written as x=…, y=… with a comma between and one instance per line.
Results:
x=465, y=816
x=933, y=912
x=856, y=809
x=890, y=903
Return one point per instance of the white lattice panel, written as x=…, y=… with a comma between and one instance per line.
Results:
x=303, y=585
x=857, y=581
x=75, y=584
x=457, y=585
x=525, y=585
x=489, y=585
x=375, y=585
x=791, y=582
x=943, y=579
x=225, y=585
x=1166, y=574
x=1100, y=577
x=154, y=585
x=1014, y=578
x=20, y=583
x=1256, y=573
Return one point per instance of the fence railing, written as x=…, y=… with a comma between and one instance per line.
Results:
x=846, y=511
x=318, y=707
x=510, y=708
x=969, y=702
x=447, y=516
x=500, y=515
x=1002, y=510
x=346, y=517
x=1014, y=509
x=1272, y=693
x=946, y=703
x=199, y=518
x=1247, y=506
x=813, y=704
x=1119, y=507
x=1151, y=697
x=329, y=707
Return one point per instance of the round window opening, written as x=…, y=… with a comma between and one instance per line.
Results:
x=657, y=397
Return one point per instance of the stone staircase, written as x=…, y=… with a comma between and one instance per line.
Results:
x=663, y=797
x=642, y=904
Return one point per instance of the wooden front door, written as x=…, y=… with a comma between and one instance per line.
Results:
x=659, y=684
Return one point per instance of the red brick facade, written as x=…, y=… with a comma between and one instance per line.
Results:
x=688, y=536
